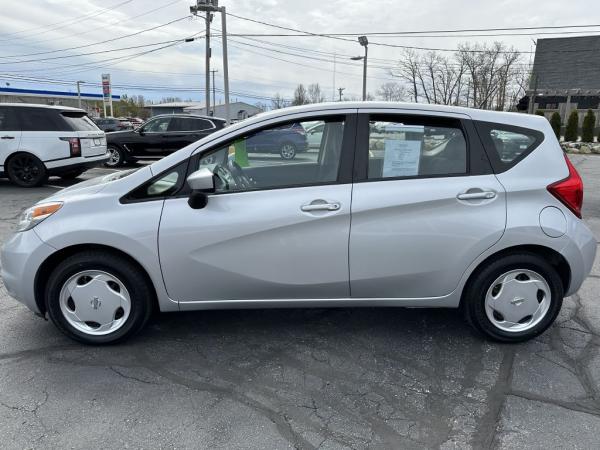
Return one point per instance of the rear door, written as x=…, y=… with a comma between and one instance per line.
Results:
x=424, y=205
x=10, y=134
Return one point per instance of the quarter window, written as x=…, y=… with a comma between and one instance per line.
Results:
x=277, y=157
x=416, y=147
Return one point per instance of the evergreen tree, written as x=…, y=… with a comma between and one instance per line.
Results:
x=587, y=131
x=572, y=129
x=555, y=122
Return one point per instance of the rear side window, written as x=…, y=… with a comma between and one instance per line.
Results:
x=8, y=119
x=79, y=121
x=410, y=146
x=506, y=145
x=41, y=119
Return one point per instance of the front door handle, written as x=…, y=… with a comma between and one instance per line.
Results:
x=7, y=137
x=479, y=195
x=320, y=205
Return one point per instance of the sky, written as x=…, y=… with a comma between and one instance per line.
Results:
x=35, y=38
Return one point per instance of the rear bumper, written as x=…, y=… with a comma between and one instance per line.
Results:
x=79, y=163
x=580, y=253
x=20, y=259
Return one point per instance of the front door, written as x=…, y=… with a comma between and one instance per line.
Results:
x=272, y=230
x=10, y=134
x=424, y=208
x=150, y=140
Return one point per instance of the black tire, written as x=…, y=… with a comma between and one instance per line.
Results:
x=26, y=170
x=473, y=301
x=117, y=157
x=140, y=292
x=287, y=151
x=71, y=175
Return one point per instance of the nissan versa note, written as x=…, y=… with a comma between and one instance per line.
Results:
x=402, y=205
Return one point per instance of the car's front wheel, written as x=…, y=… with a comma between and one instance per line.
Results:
x=117, y=157
x=514, y=298
x=26, y=170
x=98, y=297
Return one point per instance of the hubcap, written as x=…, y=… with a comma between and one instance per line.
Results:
x=114, y=158
x=518, y=300
x=288, y=151
x=95, y=302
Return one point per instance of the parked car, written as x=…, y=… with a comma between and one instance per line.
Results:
x=287, y=141
x=314, y=135
x=126, y=124
x=159, y=136
x=135, y=121
x=110, y=124
x=441, y=222
x=37, y=141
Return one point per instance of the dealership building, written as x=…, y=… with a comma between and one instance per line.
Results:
x=90, y=102
x=565, y=77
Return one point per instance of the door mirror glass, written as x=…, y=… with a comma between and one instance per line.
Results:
x=202, y=180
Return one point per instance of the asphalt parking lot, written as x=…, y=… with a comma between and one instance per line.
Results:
x=320, y=378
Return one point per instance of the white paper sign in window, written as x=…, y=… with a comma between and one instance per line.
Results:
x=403, y=145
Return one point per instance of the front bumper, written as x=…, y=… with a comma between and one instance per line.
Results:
x=20, y=258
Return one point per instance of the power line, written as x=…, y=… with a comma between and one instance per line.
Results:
x=101, y=42
x=78, y=19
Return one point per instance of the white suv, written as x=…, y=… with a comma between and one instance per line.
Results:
x=37, y=141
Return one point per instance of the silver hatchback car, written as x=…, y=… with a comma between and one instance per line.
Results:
x=399, y=205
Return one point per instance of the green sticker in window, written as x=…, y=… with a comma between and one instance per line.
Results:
x=241, y=154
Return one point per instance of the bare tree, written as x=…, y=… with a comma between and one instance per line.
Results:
x=300, y=96
x=315, y=95
x=278, y=102
x=391, y=92
x=407, y=71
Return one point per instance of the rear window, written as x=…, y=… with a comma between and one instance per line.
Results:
x=41, y=119
x=506, y=145
x=79, y=121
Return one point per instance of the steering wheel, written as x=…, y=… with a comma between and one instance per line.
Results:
x=241, y=179
x=232, y=177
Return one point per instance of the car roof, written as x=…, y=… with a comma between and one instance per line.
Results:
x=195, y=116
x=37, y=105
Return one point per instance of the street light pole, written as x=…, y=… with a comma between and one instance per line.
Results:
x=79, y=94
x=207, y=63
x=365, y=43
x=225, y=63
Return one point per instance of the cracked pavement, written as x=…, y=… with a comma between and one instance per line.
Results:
x=318, y=378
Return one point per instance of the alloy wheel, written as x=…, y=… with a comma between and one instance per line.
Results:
x=26, y=169
x=288, y=151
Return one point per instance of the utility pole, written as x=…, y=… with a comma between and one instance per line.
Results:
x=340, y=90
x=334, y=69
x=79, y=94
x=532, y=99
x=208, y=20
x=213, y=86
x=211, y=6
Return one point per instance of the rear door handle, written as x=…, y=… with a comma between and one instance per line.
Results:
x=314, y=206
x=7, y=137
x=481, y=195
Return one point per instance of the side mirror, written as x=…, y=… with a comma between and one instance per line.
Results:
x=141, y=131
x=202, y=182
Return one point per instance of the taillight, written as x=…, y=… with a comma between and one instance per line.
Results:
x=74, y=145
x=570, y=190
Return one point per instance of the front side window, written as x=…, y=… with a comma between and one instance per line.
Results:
x=157, y=125
x=416, y=147
x=277, y=157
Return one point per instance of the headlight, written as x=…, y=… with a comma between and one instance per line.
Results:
x=34, y=215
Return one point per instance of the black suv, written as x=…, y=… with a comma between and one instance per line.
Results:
x=159, y=136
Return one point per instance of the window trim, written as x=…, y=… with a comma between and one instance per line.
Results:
x=361, y=169
x=484, y=128
x=346, y=155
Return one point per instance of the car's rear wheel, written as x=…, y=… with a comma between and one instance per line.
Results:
x=72, y=174
x=117, y=157
x=26, y=170
x=97, y=297
x=514, y=298
x=287, y=151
